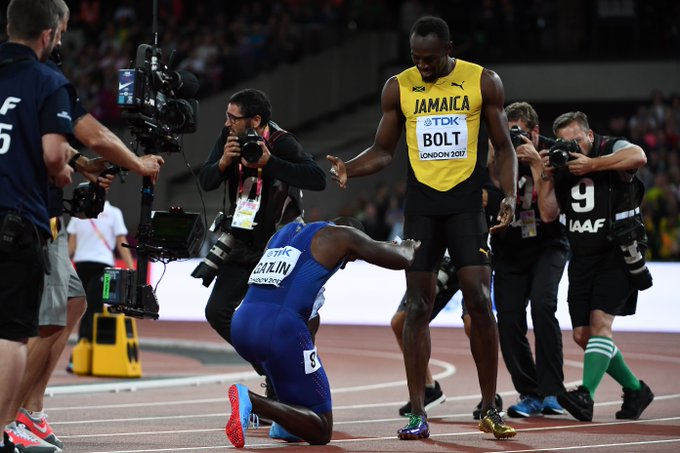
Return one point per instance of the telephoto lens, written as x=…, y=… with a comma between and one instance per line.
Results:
x=207, y=269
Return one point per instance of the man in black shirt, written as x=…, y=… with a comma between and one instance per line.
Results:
x=591, y=179
x=528, y=261
x=264, y=193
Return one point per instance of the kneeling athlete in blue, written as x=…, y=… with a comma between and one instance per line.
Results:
x=270, y=329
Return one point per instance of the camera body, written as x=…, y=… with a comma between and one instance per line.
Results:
x=157, y=103
x=631, y=237
x=516, y=137
x=88, y=198
x=558, y=155
x=250, y=149
x=446, y=273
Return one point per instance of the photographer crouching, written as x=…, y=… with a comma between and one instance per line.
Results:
x=264, y=169
x=599, y=193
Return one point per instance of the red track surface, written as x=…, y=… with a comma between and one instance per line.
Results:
x=368, y=381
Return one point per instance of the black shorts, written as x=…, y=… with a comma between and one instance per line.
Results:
x=22, y=275
x=464, y=235
x=599, y=282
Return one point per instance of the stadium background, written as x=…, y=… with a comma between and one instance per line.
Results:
x=324, y=62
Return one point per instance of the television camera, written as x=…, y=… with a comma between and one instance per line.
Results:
x=158, y=105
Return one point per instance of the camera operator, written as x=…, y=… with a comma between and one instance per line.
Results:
x=35, y=119
x=63, y=300
x=528, y=261
x=264, y=194
x=599, y=194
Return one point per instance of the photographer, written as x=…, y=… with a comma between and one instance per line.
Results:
x=264, y=193
x=35, y=119
x=599, y=194
x=528, y=261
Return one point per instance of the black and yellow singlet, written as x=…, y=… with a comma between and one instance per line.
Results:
x=442, y=134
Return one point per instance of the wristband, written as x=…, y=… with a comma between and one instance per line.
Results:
x=72, y=161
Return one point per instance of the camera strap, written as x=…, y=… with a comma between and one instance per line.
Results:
x=246, y=207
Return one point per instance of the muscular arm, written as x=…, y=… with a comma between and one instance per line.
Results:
x=333, y=244
x=497, y=124
x=94, y=135
x=629, y=158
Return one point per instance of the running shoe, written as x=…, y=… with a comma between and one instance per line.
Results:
x=493, y=423
x=39, y=427
x=527, y=406
x=551, y=406
x=578, y=403
x=433, y=397
x=279, y=432
x=240, y=415
x=7, y=445
x=26, y=442
x=477, y=413
x=417, y=428
x=634, y=402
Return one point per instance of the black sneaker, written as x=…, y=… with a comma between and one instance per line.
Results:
x=634, y=402
x=578, y=403
x=477, y=413
x=433, y=397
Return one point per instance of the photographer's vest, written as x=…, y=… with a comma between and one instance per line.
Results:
x=442, y=121
x=592, y=201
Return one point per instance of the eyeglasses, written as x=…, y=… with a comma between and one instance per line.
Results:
x=234, y=118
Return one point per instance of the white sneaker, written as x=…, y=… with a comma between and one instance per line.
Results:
x=27, y=442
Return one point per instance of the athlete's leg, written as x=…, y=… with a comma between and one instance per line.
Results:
x=416, y=335
x=300, y=421
x=397, y=324
x=475, y=281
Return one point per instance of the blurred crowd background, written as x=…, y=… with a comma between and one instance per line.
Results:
x=228, y=42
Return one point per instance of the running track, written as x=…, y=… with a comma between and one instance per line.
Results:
x=179, y=405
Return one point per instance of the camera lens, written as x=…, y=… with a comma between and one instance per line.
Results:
x=251, y=151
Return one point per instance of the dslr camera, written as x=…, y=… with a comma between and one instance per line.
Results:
x=88, y=198
x=250, y=149
x=558, y=155
x=516, y=137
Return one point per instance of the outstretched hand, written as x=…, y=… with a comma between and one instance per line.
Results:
x=506, y=214
x=338, y=171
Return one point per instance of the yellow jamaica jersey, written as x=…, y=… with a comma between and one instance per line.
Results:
x=442, y=124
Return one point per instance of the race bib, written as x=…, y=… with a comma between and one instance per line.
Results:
x=275, y=265
x=312, y=362
x=442, y=137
